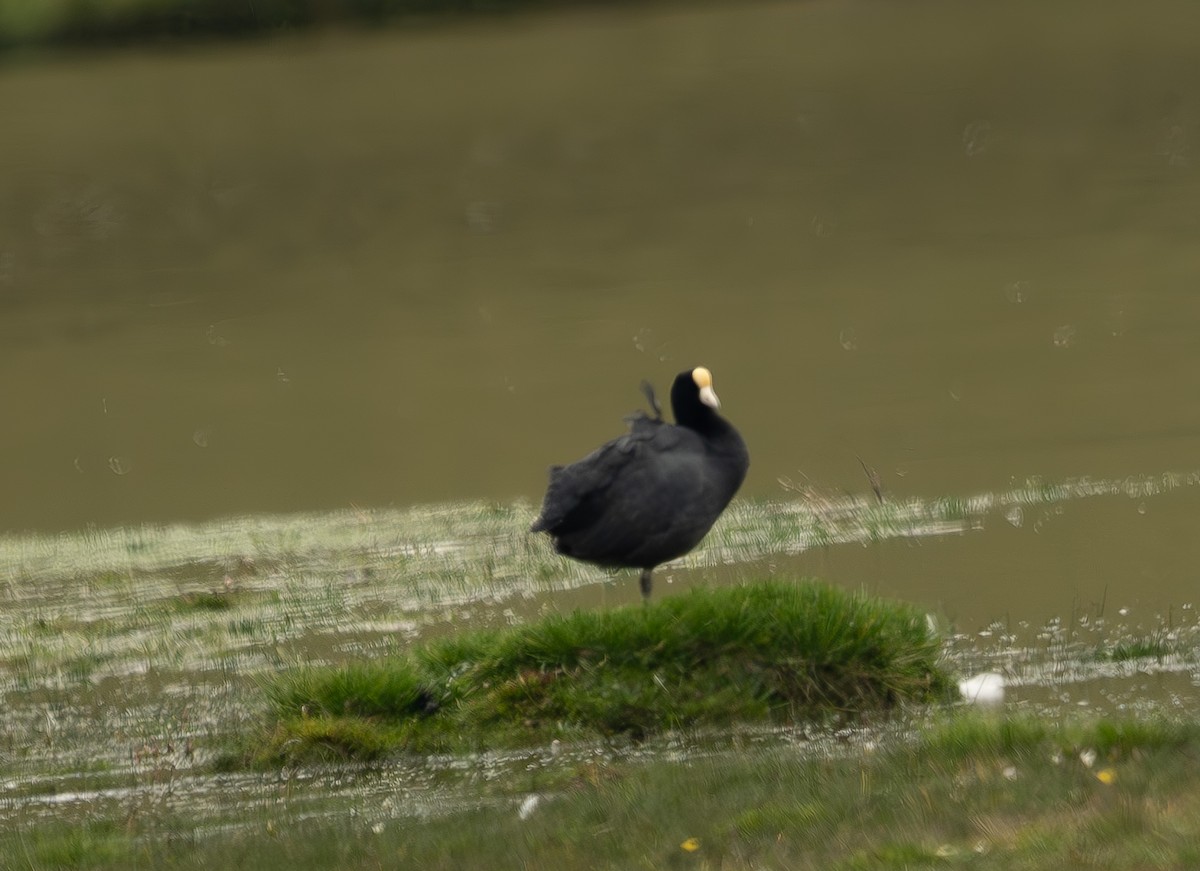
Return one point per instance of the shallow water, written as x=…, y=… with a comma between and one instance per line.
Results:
x=298, y=325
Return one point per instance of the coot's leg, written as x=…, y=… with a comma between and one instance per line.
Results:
x=644, y=580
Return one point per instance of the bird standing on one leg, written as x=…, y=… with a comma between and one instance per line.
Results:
x=652, y=494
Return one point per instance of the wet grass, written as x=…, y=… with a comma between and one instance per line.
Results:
x=1156, y=646
x=207, y=601
x=970, y=792
x=95, y=845
x=765, y=651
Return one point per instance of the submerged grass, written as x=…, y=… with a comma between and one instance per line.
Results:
x=764, y=651
x=977, y=792
x=1156, y=646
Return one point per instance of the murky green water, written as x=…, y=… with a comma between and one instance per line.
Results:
x=345, y=271
x=322, y=310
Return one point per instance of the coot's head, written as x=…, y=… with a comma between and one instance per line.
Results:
x=693, y=399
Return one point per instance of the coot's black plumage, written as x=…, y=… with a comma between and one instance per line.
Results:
x=652, y=494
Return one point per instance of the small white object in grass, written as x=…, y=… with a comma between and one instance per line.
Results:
x=986, y=690
x=1088, y=758
x=529, y=806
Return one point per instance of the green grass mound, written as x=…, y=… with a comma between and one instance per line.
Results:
x=767, y=651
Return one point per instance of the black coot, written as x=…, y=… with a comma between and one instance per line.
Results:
x=652, y=494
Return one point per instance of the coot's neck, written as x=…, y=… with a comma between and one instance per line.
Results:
x=721, y=440
x=718, y=433
x=697, y=416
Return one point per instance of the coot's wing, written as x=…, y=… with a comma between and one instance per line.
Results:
x=576, y=492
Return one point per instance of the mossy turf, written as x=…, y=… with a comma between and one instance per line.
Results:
x=766, y=651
